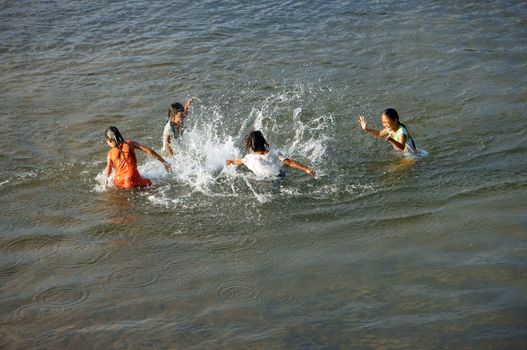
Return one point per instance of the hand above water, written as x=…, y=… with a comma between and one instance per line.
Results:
x=189, y=102
x=363, y=122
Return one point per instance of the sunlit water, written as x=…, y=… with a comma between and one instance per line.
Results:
x=375, y=251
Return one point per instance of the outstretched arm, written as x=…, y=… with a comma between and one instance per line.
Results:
x=297, y=165
x=364, y=125
x=153, y=154
x=234, y=162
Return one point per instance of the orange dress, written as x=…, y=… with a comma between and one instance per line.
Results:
x=125, y=163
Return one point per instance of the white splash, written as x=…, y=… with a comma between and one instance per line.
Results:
x=200, y=154
x=103, y=181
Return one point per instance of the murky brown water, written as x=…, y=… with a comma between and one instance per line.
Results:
x=370, y=253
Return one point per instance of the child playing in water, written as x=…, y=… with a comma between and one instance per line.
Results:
x=122, y=157
x=262, y=162
x=394, y=131
x=174, y=127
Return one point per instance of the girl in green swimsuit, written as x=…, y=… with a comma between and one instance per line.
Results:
x=394, y=131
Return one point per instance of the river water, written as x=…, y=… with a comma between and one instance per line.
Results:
x=372, y=252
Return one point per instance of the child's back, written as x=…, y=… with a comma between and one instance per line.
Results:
x=263, y=162
x=264, y=165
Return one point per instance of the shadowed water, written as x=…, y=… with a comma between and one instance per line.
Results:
x=372, y=252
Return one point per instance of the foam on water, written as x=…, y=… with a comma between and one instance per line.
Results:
x=103, y=181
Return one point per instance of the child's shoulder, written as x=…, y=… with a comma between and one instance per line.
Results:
x=129, y=144
x=401, y=129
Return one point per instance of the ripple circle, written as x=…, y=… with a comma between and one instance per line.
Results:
x=238, y=291
x=36, y=312
x=62, y=296
x=133, y=277
x=38, y=243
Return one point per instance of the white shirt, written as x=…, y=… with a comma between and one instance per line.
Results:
x=264, y=165
x=170, y=130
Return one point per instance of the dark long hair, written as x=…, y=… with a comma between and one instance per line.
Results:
x=112, y=133
x=255, y=141
x=394, y=116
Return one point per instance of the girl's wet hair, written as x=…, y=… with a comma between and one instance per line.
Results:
x=391, y=114
x=112, y=133
x=175, y=108
x=255, y=141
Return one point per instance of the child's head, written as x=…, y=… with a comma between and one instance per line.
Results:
x=255, y=141
x=113, y=136
x=390, y=119
x=175, y=111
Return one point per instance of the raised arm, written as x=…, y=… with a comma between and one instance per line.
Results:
x=364, y=125
x=153, y=154
x=187, y=105
x=294, y=164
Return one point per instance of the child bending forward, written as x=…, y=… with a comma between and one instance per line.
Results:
x=122, y=158
x=263, y=162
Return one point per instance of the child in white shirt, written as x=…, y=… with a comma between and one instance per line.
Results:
x=263, y=162
x=174, y=127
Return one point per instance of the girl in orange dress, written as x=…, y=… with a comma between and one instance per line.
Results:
x=122, y=158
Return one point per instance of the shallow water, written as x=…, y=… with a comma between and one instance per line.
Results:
x=372, y=252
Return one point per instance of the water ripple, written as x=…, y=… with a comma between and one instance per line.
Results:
x=61, y=296
x=35, y=312
x=184, y=264
x=13, y=268
x=133, y=277
x=33, y=246
x=6, y=227
x=239, y=291
x=84, y=255
x=32, y=243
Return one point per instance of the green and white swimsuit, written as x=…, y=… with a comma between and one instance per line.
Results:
x=398, y=135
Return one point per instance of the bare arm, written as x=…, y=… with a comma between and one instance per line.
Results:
x=187, y=105
x=153, y=154
x=399, y=145
x=377, y=133
x=168, y=145
x=297, y=165
x=109, y=165
x=234, y=162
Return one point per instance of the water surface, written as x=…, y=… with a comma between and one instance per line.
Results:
x=372, y=252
